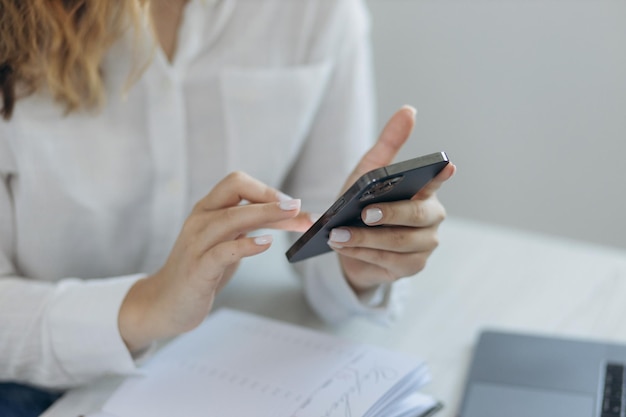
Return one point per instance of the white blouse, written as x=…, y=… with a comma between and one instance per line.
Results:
x=90, y=202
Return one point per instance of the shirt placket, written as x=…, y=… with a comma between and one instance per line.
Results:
x=167, y=129
x=168, y=143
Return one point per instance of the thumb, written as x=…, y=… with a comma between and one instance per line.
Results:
x=393, y=136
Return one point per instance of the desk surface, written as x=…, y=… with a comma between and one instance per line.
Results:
x=481, y=276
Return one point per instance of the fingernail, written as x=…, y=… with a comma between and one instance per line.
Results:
x=412, y=109
x=263, y=240
x=314, y=217
x=292, y=204
x=373, y=215
x=283, y=197
x=339, y=235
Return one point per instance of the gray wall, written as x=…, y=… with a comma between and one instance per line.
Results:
x=528, y=98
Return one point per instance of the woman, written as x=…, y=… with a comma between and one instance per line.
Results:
x=122, y=116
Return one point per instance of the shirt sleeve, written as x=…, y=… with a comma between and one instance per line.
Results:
x=343, y=131
x=55, y=335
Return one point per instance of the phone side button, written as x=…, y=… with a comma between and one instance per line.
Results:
x=338, y=204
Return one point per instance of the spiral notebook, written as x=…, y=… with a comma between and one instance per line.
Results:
x=237, y=364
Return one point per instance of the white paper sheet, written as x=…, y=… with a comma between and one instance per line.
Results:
x=237, y=364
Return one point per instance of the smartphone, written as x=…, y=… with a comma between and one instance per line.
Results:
x=399, y=181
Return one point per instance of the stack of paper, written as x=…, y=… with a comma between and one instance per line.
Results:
x=237, y=364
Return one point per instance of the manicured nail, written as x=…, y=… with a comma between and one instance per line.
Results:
x=412, y=109
x=314, y=217
x=263, y=240
x=339, y=235
x=373, y=215
x=292, y=204
x=334, y=245
x=283, y=197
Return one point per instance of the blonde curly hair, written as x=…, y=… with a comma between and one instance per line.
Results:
x=60, y=45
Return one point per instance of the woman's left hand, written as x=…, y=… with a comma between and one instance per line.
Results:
x=407, y=230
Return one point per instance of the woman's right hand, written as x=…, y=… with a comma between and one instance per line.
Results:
x=208, y=249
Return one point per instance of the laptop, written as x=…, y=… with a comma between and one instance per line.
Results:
x=519, y=375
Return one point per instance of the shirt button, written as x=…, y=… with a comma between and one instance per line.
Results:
x=173, y=186
x=167, y=84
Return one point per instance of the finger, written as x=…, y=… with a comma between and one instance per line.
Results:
x=374, y=267
x=237, y=187
x=301, y=223
x=429, y=189
x=393, y=136
x=389, y=239
x=217, y=226
x=412, y=213
x=228, y=253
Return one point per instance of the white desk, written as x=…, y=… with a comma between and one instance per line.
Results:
x=481, y=276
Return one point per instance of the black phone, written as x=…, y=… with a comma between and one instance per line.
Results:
x=399, y=181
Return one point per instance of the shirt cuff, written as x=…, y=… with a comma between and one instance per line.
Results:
x=82, y=328
x=332, y=298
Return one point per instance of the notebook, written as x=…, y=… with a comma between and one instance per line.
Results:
x=238, y=364
x=518, y=375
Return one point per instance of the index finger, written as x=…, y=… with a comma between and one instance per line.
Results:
x=237, y=187
x=300, y=223
x=433, y=185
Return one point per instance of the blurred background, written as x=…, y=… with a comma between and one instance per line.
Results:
x=527, y=97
